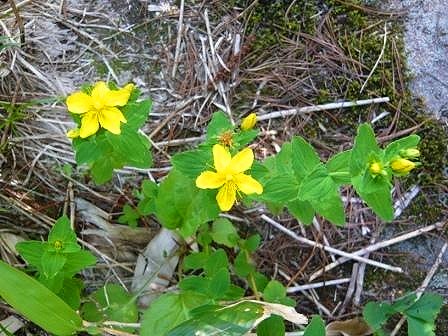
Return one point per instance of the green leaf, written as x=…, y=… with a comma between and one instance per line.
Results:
x=76, y=262
x=136, y=114
x=418, y=327
x=251, y=244
x=332, y=208
x=180, y=204
x=365, y=145
x=338, y=167
x=193, y=163
x=131, y=147
x=52, y=263
x=215, y=262
x=243, y=138
x=426, y=308
x=275, y=292
x=129, y=216
x=32, y=252
x=316, y=327
x=71, y=292
x=376, y=314
x=393, y=149
x=147, y=205
x=223, y=232
x=37, y=303
x=86, y=150
x=115, y=304
x=195, y=283
x=317, y=185
x=219, y=124
x=235, y=320
x=379, y=201
x=261, y=281
x=62, y=231
x=304, y=157
x=195, y=260
x=282, y=162
x=280, y=189
x=102, y=170
x=302, y=210
x=272, y=326
x=219, y=284
x=168, y=311
x=242, y=266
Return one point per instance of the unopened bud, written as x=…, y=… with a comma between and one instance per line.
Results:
x=402, y=166
x=410, y=153
x=249, y=122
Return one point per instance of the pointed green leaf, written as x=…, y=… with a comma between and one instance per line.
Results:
x=302, y=210
x=365, y=145
x=393, y=149
x=316, y=327
x=37, y=303
x=168, y=311
x=304, y=157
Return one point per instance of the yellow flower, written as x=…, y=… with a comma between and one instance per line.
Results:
x=229, y=176
x=375, y=168
x=73, y=133
x=99, y=108
x=249, y=122
x=402, y=166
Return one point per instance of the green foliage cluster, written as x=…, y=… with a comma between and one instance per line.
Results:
x=215, y=280
x=57, y=261
x=103, y=152
x=420, y=313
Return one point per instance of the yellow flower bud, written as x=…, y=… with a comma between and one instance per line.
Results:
x=73, y=133
x=249, y=122
x=410, y=153
x=402, y=166
x=375, y=168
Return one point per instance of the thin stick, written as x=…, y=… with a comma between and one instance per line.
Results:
x=295, y=289
x=324, y=107
x=378, y=60
x=377, y=246
x=180, y=25
x=328, y=248
x=424, y=284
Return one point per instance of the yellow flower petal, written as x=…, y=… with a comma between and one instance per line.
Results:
x=221, y=157
x=209, y=180
x=73, y=133
x=226, y=196
x=247, y=184
x=110, y=118
x=89, y=124
x=99, y=91
x=242, y=161
x=79, y=102
x=118, y=97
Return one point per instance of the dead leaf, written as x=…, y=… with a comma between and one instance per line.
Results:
x=354, y=327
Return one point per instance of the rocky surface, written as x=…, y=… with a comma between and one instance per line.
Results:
x=426, y=40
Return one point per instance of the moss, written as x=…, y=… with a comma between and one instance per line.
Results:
x=271, y=21
x=117, y=66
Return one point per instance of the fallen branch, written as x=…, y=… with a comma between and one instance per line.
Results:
x=328, y=248
x=324, y=107
x=377, y=246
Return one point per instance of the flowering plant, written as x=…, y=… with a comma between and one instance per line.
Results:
x=107, y=135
